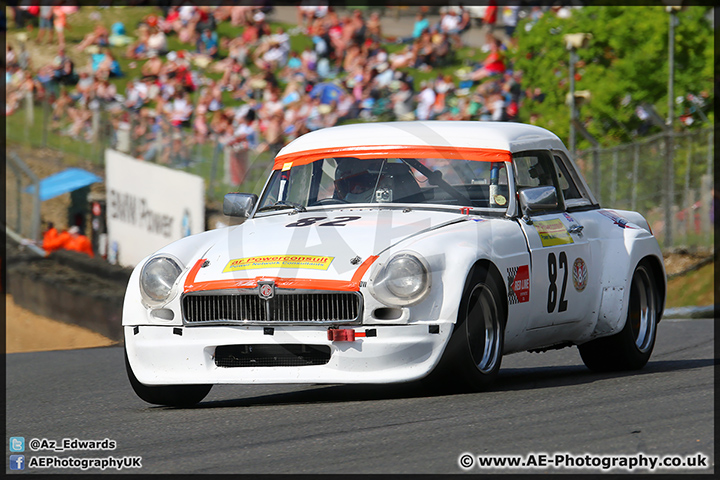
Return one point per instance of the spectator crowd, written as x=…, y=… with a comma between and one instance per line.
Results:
x=261, y=94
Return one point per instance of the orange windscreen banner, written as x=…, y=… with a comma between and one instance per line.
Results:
x=289, y=160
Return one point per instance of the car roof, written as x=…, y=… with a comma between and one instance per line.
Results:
x=507, y=136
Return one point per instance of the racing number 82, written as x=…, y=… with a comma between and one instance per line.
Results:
x=552, y=276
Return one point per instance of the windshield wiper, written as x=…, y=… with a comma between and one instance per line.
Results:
x=280, y=205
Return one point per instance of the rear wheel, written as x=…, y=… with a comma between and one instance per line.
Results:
x=630, y=348
x=474, y=353
x=168, y=395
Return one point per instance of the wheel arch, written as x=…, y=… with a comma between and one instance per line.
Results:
x=494, y=272
x=658, y=272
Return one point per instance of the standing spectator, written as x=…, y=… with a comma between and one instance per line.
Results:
x=60, y=21
x=491, y=15
x=374, y=27
x=46, y=24
x=510, y=17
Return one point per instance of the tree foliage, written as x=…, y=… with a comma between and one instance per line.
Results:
x=624, y=66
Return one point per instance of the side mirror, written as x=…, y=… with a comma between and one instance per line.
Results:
x=239, y=204
x=538, y=199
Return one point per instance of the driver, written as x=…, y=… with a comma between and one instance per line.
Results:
x=356, y=180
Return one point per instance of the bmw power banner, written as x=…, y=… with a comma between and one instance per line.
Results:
x=149, y=206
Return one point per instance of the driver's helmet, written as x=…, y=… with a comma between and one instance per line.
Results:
x=356, y=180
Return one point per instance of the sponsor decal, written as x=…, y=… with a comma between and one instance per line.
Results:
x=617, y=219
x=500, y=200
x=519, y=284
x=279, y=261
x=569, y=217
x=580, y=274
x=552, y=232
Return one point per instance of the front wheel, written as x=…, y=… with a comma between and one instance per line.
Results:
x=630, y=348
x=474, y=352
x=168, y=395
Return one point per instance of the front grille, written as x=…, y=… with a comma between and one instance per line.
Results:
x=289, y=355
x=289, y=308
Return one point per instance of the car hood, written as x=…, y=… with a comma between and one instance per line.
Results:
x=323, y=245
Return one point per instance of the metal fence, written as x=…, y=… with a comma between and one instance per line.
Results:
x=22, y=197
x=90, y=129
x=629, y=177
x=633, y=177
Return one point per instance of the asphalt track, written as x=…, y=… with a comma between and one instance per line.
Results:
x=542, y=403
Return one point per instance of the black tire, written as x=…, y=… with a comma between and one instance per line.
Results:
x=473, y=355
x=168, y=395
x=629, y=349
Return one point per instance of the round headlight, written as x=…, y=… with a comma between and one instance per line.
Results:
x=404, y=280
x=157, y=278
x=406, y=276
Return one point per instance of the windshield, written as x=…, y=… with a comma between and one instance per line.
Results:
x=426, y=181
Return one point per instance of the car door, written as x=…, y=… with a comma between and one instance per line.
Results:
x=559, y=252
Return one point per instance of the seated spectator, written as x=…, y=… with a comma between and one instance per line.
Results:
x=421, y=25
x=180, y=110
x=207, y=44
x=99, y=36
x=104, y=65
x=105, y=91
x=403, y=59
x=84, y=84
x=270, y=56
x=492, y=65
x=60, y=109
x=157, y=42
x=65, y=72
x=152, y=68
x=403, y=104
x=138, y=49
x=118, y=38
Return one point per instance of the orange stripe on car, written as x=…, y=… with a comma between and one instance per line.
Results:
x=394, y=151
x=352, y=285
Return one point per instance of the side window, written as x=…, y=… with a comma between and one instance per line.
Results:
x=567, y=185
x=571, y=189
x=534, y=169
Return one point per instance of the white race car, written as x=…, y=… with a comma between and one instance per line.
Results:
x=391, y=252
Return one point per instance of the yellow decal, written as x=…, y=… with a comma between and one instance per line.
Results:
x=287, y=166
x=552, y=232
x=279, y=261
